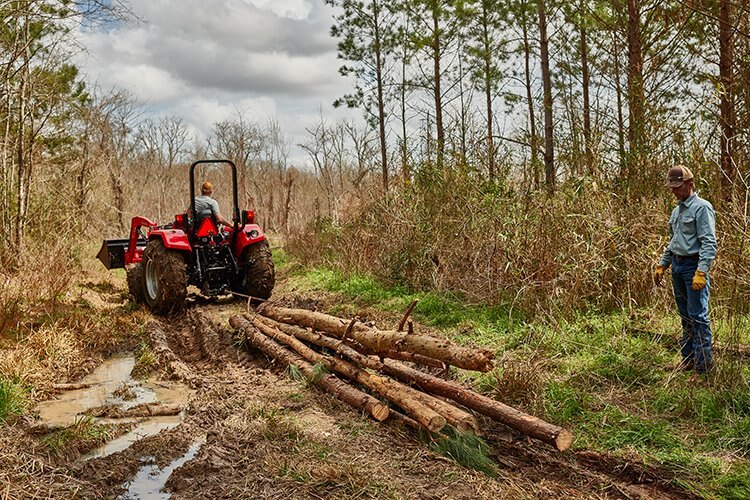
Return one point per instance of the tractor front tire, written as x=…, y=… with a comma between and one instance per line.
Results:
x=134, y=277
x=164, y=278
x=258, y=275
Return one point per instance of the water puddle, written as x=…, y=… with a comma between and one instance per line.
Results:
x=111, y=384
x=150, y=479
x=151, y=427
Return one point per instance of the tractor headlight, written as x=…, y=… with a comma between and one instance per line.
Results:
x=253, y=233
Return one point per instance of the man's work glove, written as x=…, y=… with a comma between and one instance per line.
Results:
x=699, y=280
x=659, y=274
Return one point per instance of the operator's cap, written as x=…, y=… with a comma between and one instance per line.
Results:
x=677, y=175
x=207, y=187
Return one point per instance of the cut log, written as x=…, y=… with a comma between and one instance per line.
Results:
x=528, y=424
x=329, y=383
x=458, y=418
x=405, y=356
x=382, y=341
x=393, y=391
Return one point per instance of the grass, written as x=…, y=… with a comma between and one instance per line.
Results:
x=84, y=434
x=13, y=398
x=466, y=449
x=606, y=377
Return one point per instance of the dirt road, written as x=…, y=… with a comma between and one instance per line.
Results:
x=249, y=430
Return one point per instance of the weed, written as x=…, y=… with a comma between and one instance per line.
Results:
x=467, y=449
x=145, y=360
x=83, y=434
x=12, y=398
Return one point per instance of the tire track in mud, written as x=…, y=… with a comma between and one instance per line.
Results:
x=193, y=350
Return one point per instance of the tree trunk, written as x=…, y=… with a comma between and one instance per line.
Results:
x=436, y=53
x=383, y=341
x=328, y=383
x=533, y=139
x=523, y=422
x=549, y=152
x=726, y=105
x=636, y=106
x=585, y=83
x=487, y=56
x=381, y=101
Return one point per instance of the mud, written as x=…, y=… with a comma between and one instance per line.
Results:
x=249, y=431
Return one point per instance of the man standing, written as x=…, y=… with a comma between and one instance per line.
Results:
x=691, y=251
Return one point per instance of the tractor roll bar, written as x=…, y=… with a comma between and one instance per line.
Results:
x=236, y=211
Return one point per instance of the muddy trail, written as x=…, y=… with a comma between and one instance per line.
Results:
x=248, y=429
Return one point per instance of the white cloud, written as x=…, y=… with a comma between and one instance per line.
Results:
x=202, y=60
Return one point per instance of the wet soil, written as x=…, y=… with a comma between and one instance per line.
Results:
x=249, y=430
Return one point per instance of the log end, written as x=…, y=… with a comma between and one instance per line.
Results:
x=563, y=440
x=380, y=412
x=435, y=423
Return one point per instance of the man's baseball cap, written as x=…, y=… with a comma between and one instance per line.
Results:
x=207, y=186
x=677, y=175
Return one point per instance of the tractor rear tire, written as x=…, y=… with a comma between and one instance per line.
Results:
x=134, y=276
x=164, y=278
x=258, y=274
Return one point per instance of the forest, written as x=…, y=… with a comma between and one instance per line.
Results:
x=508, y=168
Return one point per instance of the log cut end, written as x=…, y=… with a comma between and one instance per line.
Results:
x=563, y=440
x=380, y=411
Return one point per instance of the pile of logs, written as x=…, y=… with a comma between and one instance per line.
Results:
x=373, y=359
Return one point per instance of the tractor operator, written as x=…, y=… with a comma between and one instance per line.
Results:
x=691, y=251
x=205, y=205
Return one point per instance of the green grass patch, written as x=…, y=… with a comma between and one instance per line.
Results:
x=85, y=433
x=13, y=398
x=466, y=449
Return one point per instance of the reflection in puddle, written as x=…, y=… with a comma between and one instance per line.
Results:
x=111, y=384
x=150, y=479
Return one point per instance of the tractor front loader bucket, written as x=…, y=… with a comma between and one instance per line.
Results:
x=112, y=253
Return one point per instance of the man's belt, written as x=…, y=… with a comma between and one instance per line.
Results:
x=686, y=257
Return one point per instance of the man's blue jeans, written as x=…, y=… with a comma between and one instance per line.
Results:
x=693, y=308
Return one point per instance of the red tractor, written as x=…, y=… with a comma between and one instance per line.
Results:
x=161, y=261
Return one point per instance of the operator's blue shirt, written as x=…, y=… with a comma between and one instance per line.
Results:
x=692, y=231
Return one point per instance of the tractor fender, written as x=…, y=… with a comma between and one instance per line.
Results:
x=173, y=239
x=248, y=234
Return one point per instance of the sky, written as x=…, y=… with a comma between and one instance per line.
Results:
x=203, y=60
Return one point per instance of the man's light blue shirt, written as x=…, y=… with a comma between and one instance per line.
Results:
x=692, y=231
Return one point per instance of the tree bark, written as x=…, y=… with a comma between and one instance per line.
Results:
x=381, y=99
x=393, y=391
x=726, y=105
x=636, y=97
x=533, y=138
x=585, y=77
x=549, y=151
x=528, y=424
x=382, y=341
x=436, y=53
x=523, y=422
x=328, y=383
x=404, y=396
